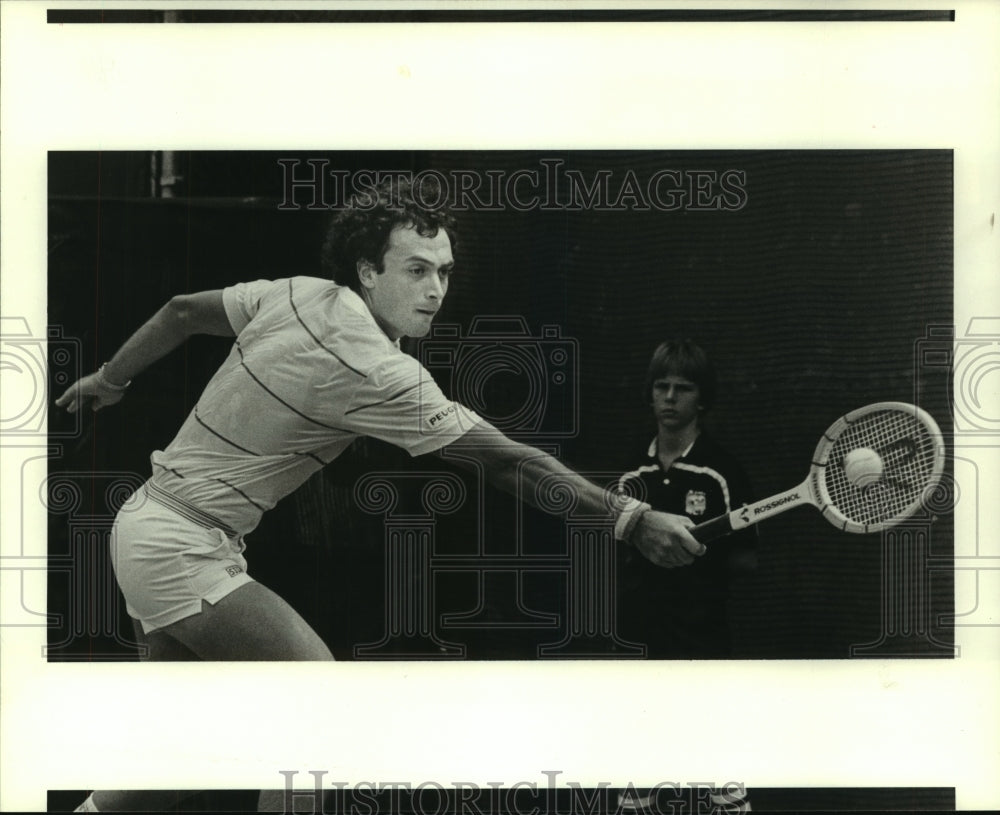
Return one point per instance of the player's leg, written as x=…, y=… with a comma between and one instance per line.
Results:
x=161, y=647
x=250, y=623
x=188, y=583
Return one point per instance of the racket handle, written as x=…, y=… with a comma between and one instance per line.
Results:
x=710, y=530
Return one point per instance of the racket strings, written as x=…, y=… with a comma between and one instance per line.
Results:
x=909, y=454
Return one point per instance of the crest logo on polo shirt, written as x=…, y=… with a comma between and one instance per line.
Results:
x=694, y=502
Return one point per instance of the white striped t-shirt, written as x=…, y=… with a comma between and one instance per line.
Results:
x=310, y=371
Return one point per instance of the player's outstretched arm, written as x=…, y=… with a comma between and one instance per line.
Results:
x=525, y=471
x=180, y=318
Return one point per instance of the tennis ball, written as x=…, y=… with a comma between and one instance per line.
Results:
x=863, y=467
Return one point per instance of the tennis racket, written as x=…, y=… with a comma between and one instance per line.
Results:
x=903, y=450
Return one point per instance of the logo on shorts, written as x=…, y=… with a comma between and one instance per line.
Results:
x=234, y=570
x=694, y=502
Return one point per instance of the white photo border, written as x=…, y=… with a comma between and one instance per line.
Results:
x=366, y=87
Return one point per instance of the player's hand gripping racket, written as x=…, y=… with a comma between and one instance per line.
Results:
x=871, y=469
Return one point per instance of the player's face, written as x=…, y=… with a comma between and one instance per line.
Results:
x=405, y=297
x=676, y=401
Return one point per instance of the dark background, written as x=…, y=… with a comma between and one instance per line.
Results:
x=817, y=297
x=788, y=799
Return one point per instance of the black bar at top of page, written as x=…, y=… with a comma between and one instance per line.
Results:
x=473, y=15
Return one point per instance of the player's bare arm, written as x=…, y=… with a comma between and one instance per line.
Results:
x=520, y=469
x=181, y=317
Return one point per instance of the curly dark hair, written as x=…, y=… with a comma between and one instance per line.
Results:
x=360, y=231
x=683, y=358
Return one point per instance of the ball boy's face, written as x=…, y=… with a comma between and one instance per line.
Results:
x=676, y=401
x=406, y=295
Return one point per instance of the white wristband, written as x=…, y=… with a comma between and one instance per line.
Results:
x=111, y=386
x=628, y=517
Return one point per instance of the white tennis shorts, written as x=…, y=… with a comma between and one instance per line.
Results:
x=169, y=557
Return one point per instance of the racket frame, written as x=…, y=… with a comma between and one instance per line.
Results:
x=813, y=492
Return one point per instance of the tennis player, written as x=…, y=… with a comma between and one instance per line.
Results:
x=315, y=364
x=682, y=613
